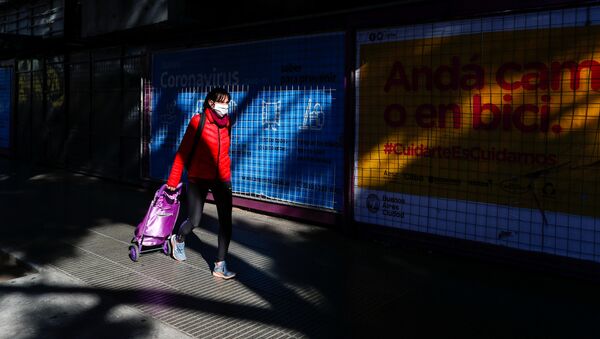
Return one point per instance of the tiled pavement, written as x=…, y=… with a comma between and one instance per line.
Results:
x=294, y=279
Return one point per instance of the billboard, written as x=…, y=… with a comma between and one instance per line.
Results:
x=287, y=110
x=484, y=129
x=5, y=106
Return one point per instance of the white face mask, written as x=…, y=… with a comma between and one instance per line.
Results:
x=221, y=109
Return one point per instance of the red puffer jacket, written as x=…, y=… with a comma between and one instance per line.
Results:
x=211, y=158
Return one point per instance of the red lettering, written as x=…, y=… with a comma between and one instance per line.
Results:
x=519, y=118
x=397, y=77
x=424, y=116
x=501, y=76
x=557, y=72
x=474, y=80
x=594, y=68
x=444, y=77
x=391, y=120
x=428, y=77
x=450, y=74
x=456, y=115
x=540, y=77
x=506, y=113
x=478, y=109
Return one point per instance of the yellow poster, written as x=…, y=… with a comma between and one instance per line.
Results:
x=508, y=118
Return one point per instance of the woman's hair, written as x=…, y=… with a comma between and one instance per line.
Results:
x=217, y=94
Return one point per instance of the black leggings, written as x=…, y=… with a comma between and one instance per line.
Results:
x=196, y=194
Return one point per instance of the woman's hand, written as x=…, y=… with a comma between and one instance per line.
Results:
x=172, y=189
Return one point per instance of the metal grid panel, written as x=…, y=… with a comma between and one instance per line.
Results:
x=24, y=115
x=132, y=73
x=40, y=18
x=78, y=139
x=484, y=129
x=287, y=112
x=106, y=116
x=56, y=120
x=6, y=97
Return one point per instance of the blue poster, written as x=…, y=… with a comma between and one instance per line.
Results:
x=287, y=110
x=5, y=105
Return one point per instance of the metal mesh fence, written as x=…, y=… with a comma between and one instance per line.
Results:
x=287, y=110
x=79, y=110
x=31, y=130
x=106, y=112
x=36, y=18
x=278, y=149
x=6, y=97
x=484, y=129
x=24, y=112
x=55, y=115
x=83, y=113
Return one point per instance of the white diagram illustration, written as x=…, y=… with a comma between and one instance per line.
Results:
x=271, y=115
x=170, y=115
x=314, y=118
x=232, y=106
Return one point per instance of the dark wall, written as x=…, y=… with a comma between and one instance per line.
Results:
x=105, y=16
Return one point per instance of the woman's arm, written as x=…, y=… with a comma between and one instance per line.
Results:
x=183, y=152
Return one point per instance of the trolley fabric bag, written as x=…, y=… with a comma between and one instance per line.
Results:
x=156, y=227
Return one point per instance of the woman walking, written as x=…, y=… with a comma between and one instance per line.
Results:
x=209, y=168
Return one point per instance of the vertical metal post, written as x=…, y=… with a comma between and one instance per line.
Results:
x=122, y=170
x=44, y=144
x=349, y=131
x=66, y=103
x=91, y=103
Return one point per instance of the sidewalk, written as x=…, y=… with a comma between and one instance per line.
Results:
x=294, y=279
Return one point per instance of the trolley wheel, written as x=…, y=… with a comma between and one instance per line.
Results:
x=134, y=252
x=167, y=246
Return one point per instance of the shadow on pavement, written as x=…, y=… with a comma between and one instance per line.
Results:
x=42, y=207
x=367, y=290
